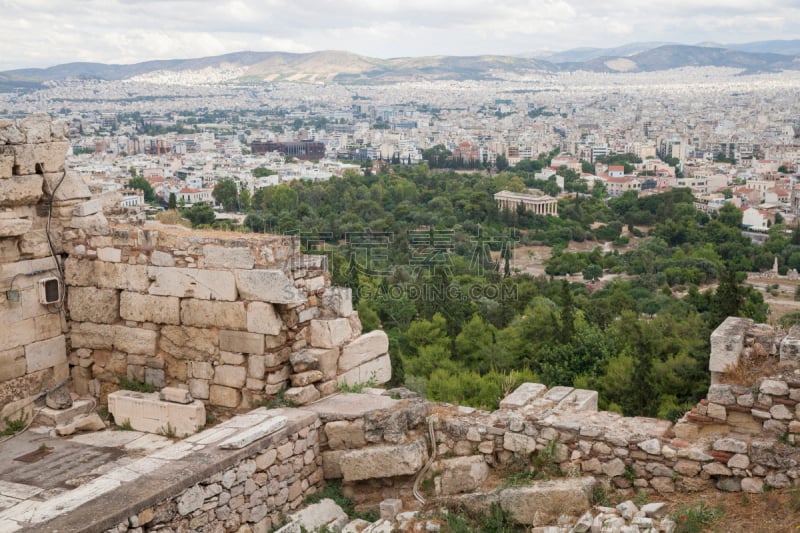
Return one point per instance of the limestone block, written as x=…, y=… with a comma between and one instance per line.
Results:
x=21, y=333
x=377, y=462
x=345, y=434
x=790, y=345
x=88, y=208
x=230, y=376
x=51, y=155
x=10, y=133
x=89, y=304
x=262, y=318
x=72, y=187
x=175, y=395
x=390, y=508
x=86, y=422
x=727, y=342
x=105, y=275
x=314, y=284
x=94, y=336
x=317, y=517
x=241, y=342
x=189, y=343
x=162, y=259
x=12, y=363
x=198, y=388
x=192, y=283
x=146, y=412
x=322, y=359
x=46, y=354
x=330, y=333
x=14, y=227
x=337, y=302
x=774, y=387
x=518, y=443
x=306, y=378
x=271, y=286
x=112, y=255
x=544, y=502
x=20, y=190
x=278, y=376
x=36, y=128
x=9, y=250
x=147, y=308
x=135, y=340
x=34, y=244
x=721, y=394
x=224, y=396
x=463, y=474
x=210, y=313
x=302, y=395
x=378, y=371
x=59, y=130
x=524, y=394
x=579, y=400
x=365, y=348
x=6, y=164
x=250, y=435
x=228, y=258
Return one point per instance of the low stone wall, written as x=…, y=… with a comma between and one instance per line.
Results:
x=194, y=485
x=234, y=319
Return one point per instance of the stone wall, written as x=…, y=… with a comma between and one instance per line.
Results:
x=34, y=190
x=234, y=318
x=197, y=484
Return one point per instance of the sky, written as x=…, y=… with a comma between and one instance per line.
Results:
x=41, y=33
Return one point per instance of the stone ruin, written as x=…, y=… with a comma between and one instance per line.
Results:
x=225, y=321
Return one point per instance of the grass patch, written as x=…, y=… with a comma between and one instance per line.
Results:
x=13, y=426
x=460, y=520
x=600, y=496
x=276, y=401
x=135, y=385
x=125, y=426
x=696, y=518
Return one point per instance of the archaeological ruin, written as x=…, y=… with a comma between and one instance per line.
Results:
x=93, y=297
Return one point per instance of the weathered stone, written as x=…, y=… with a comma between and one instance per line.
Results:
x=774, y=387
x=87, y=208
x=191, y=500
x=271, y=286
x=36, y=128
x=71, y=187
x=302, y=395
x=241, y=342
x=135, y=340
x=230, y=376
x=12, y=363
x=306, y=378
x=731, y=445
x=10, y=133
x=463, y=474
x=781, y=412
x=87, y=422
x=161, y=259
x=20, y=190
x=224, y=396
x=790, y=345
x=105, y=275
x=337, y=302
x=322, y=359
x=383, y=461
x=541, y=503
x=651, y=446
x=687, y=468
x=13, y=227
x=729, y=484
x=721, y=394
x=315, y=517
x=209, y=313
x=59, y=397
x=189, y=343
x=343, y=434
x=146, y=412
x=93, y=336
x=329, y=333
x=146, y=308
x=365, y=348
x=175, y=395
x=262, y=318
x=378, y=371
x=227, y=257
x=525, y=393
x=614, y=468
x=46, y=354
x=518, y=443
x=716, y=469
x=89, y=304
x=727, y=342
x=716, y=411
x=192, y=283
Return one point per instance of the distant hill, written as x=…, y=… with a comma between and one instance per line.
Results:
x=346, y=67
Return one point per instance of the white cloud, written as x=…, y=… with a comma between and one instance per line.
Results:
x=39, y=33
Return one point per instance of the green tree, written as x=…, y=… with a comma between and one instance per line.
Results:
x=244, y=199
x=144, y=186
x=226, y=194
x=172, y=204
x=730, y=215
x=501, y=162
x=200, y=214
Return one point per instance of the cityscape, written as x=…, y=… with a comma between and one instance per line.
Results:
x=375, y=267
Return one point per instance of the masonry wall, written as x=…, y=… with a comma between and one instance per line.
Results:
x=32, y=343
x=235, y=318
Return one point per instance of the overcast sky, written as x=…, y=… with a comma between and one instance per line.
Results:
x=40, y=33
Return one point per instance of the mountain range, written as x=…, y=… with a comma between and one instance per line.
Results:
x=346, y=67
